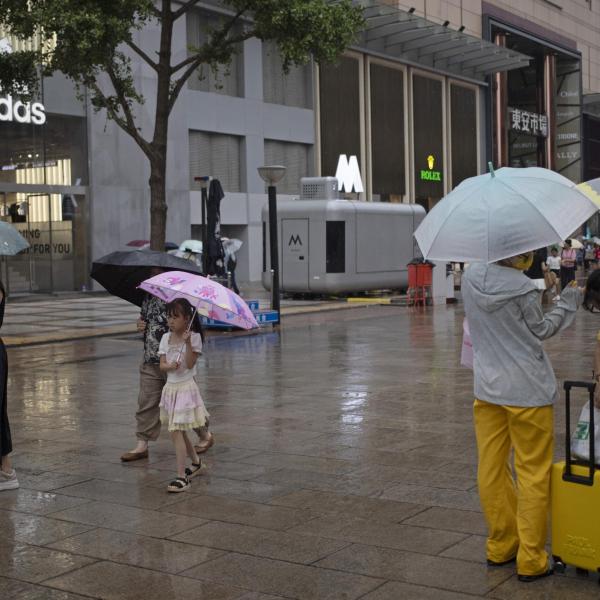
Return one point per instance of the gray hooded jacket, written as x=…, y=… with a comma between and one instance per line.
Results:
x=507, y=327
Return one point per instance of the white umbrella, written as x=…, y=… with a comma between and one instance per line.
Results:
x=575, y=244
x=191, y=246
x=501, y=214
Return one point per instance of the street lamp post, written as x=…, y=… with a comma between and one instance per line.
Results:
x=204, y=180
x=271, y=175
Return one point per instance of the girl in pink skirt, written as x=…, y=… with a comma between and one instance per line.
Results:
x=181, y=405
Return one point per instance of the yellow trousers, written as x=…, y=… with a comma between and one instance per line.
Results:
x=516, y=512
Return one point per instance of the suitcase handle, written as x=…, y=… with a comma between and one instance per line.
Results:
x=568, y=474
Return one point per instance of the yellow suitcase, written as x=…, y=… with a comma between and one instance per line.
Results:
x=576, y=500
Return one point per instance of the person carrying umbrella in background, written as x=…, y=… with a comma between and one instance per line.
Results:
x=568, y=263
x=495, y=221
x=121, y=273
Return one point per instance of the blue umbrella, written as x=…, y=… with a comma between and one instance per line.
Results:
x=11, y=241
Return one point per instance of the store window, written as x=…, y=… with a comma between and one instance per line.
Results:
x=387, y=132
x=295, y=157
x=340, y=117
x=428, y=134
x=568, y=117
x=226, y=79
x=525, y=148
x=335, y=247
x=291, y=89
x=54, y=153
x=463, y=132
x=217, y=155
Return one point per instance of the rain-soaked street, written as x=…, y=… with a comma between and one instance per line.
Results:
x=344, y=467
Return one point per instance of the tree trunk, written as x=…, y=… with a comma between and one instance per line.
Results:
x=158, y=201
x=158, y=162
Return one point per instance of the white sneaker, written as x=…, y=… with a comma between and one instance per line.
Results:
x=8, y=481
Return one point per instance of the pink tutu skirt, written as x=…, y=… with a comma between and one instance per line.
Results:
x=181, y=406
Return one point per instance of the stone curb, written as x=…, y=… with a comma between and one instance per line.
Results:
x=65, y=335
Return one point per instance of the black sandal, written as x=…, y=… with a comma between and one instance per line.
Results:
x=193, y=470
x=179, y=485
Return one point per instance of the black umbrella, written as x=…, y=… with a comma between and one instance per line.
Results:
x=121, y=272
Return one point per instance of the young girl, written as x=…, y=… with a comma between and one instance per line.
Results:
x=181, y=405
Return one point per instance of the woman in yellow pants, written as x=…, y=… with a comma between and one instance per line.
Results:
x=515, y=389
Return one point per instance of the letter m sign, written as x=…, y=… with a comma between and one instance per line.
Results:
x=348, y=175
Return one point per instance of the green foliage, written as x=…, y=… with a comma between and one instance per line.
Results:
x=84, y=38
x=93, y=41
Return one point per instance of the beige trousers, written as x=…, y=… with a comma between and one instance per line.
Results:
x=152, y=381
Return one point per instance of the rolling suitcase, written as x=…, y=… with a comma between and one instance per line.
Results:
x=575, y=492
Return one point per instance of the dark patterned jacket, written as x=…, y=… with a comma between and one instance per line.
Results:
x=154, y=313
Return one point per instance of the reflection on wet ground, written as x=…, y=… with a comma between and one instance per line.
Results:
x=344, y=468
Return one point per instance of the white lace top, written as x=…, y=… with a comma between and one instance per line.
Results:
x=171, y=351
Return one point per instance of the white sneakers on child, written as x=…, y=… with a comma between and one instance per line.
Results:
x=8, y=481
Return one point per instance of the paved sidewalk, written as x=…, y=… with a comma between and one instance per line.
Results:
x=344, y=468
x=79, y=316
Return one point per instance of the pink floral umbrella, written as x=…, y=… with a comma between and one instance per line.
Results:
x=207, y=296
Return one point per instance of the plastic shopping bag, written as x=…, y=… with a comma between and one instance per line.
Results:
x=580, y=441
x=466, y=353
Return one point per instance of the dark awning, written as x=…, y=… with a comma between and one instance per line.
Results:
x=405, y=36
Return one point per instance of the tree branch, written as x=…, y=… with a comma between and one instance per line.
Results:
x=198, y=60
x=219, y=35
x=128, y=123
x=184, y=8
x=142, y=54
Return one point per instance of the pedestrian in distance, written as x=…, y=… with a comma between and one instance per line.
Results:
x=553, y=263
x=591, y=302
x=152, y=323
x=568, y=263
x=8, y=476
x=515, y=389
x=181, y=405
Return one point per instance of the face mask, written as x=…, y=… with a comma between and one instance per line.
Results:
x=523, y=261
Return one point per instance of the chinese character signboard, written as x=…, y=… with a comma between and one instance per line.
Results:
x=527, y=123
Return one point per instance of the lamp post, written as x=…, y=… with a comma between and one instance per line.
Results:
x=271, y=175
x=204, y=180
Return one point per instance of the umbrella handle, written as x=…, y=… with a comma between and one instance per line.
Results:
x=187, y=331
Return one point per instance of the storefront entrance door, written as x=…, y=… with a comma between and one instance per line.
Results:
x=54, y=224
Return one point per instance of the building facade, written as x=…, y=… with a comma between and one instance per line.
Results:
x=429, y=93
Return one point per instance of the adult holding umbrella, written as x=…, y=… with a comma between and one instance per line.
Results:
x=121, y=273
x=11, y=243
x=510, y=213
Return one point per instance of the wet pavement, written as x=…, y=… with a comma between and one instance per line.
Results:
x=41, y=320
x=344, y=468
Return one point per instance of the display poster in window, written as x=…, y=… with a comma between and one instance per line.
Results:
x=43, y=244
x=568, y=117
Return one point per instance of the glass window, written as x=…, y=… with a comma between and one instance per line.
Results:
x=291, y=89
x=463, y=132
x=568, y=117
x=227, y=80
x=293, y=156
x=335, y=247
x=387, y=132
x=217, y=155
x=339, y=100
x=428, y=119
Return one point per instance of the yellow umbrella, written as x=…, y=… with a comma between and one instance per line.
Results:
x=592, y=190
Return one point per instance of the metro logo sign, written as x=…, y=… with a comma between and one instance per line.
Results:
x=348, y=175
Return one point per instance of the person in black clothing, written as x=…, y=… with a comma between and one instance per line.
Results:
x=8, y=477
x=536, y=271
